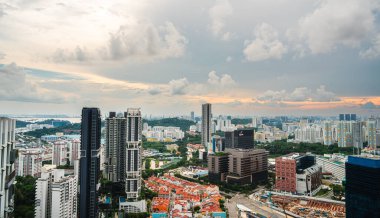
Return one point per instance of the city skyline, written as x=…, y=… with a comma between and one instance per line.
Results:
x=244, y=57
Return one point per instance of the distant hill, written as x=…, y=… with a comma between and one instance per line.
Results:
x=241, y=121
x=67, y=129
x=21, y=124
x=55, y=123
x=181, y=123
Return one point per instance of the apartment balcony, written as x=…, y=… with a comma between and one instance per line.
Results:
x=9, y=179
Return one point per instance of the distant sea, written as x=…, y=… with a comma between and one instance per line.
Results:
x=37, y=119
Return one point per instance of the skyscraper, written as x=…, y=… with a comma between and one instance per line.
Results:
x=241, y=138
x=353, y=117
x=344, y=134
x=347, y=117
x=89, y=162
x=341, y=117
x=7, y=144
x=357, y=135
x=133, y=153
x=59, y=153
x=115, y=147
x=206, y=125
x=327, y=133
x=371, y=128
x=362, y=186
x=192, y=116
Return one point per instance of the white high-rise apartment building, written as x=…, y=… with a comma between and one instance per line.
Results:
x=115, y=147
x=29, y=162
x=327, y=133
x=56, y=194
x=311, y=134
x=257, y=122
x=59, y=153
x=344, y=133
x=371, y=132
x=7, y=172
x=73, y=151
x=133, y=153
x=206, y=125
x=64, y=197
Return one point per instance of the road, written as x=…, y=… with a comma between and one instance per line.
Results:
x=255, y=206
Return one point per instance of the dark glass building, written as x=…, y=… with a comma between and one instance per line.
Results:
x=341, y=117
x=347, y=117
x=241, y=138
x=362, y=187
x=89, y=169
x=353, y=117
x=229, y=139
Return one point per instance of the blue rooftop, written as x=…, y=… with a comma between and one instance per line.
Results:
x=219, y=214
x=159, y=215
x=371, y=162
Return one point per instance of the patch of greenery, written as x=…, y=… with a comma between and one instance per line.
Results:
x=241, y=121
x=147, y=194
x=159, y=146
x=322, y=192
x=278, y=148
x=181, y=123
x=67, y=129
x=21, y=124
x=24, y=196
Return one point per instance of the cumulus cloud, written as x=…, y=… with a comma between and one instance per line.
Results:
x=218, y=14
x=17, y=86
x=265, y=45
x=298, y=95
x=143, y=40
x=215, y=84
x=370, y=106
x=3, y=8
x=322, y=95
x=333, y=23
x=372, y=52
x=154, y=90
x=271, y=95
x=137, y=40
x=78, y=55
x=179, y=86
x=223, y=80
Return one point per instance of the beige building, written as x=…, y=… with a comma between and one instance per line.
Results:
x=247, y=165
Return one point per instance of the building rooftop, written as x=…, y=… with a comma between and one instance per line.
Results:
x=292, y=156
x=372, y=161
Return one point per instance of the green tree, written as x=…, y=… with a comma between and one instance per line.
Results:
x=24, y=196
x=183, y=124
x=147, y=164
x=197, y=209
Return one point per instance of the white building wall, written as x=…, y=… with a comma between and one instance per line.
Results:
x=7, y=172
x=59, y=153
x=41, y=197
x=64, y=197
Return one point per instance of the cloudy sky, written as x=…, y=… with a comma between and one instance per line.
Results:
x=246, y=57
